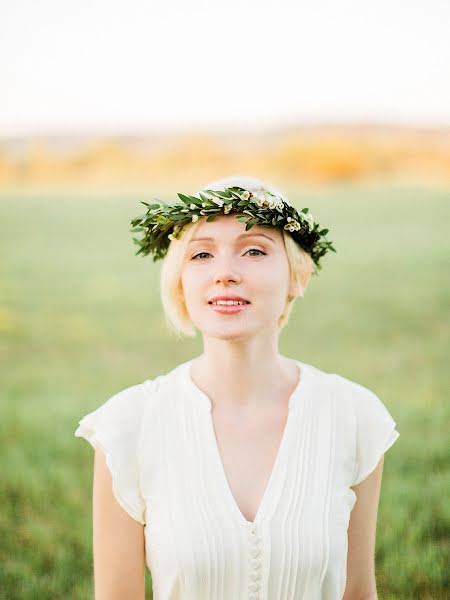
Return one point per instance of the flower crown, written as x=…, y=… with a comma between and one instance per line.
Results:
x=164, y=222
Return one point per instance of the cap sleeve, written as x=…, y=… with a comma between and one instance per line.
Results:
x=114, y=427
x=375, y=432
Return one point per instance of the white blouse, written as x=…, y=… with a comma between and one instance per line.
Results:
x=160, y=445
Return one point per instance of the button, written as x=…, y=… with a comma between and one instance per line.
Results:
x=253, y=587
x=254, y=575
x=253, y=597
x=254, y=552
x=255, y=563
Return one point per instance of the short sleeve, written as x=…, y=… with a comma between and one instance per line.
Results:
x=114, y=427
x=375, y=432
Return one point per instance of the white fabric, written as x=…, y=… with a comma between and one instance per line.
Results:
x=167, y=473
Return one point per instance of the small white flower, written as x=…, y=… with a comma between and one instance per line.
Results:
x=260, y=196
x=245, y=195
x=194, y=218
x=192, y=206
x=204, y=204
x=289, y=219
x=171, y=236
x=227, y=208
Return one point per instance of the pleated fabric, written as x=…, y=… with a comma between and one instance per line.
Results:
x=167, y=473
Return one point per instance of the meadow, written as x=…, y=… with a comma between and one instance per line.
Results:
x=80, y=319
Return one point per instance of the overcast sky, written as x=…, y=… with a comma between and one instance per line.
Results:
x=114, y=66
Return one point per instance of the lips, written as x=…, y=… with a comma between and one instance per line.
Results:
x=229, y=309
x=229, y=298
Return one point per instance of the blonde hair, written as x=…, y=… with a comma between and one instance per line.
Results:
x=177, y=317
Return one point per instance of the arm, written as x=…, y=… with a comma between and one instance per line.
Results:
x=361, y=583
x=118, y=542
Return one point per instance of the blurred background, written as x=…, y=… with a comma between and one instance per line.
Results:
x=345, y=107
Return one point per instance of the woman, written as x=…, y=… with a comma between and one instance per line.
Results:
x=240, y=474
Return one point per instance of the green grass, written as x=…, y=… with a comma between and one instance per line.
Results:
x=80, y=319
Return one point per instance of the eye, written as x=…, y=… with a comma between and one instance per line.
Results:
x=194, y=257
x=256, y=250
x=250, y=250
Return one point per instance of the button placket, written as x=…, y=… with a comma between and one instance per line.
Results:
x=254, y=562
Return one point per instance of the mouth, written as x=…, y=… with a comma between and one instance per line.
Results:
x=227, y=307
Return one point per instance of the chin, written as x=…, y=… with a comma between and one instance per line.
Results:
x=230, y=331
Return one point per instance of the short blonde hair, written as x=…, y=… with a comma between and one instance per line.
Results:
x=176, y=315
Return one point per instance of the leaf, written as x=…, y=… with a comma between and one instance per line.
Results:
x=324, y=231
x=248, y=226
x=304, y=210
x=137, y=229
x=184, y=198
x=216, y=194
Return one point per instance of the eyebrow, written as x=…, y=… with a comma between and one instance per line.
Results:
x=243, y=235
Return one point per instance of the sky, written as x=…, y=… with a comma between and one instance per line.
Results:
x=113, y=66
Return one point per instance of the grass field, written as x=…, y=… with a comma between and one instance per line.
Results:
x=80, y=319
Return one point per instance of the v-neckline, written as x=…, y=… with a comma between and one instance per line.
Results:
x=215, y=453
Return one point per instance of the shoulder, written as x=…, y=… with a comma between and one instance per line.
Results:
x=362, y=403
x=335, y=382
x=348, y=387
x=136, y=398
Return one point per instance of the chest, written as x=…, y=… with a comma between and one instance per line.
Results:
x=247, y=450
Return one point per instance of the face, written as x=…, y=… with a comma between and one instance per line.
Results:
x=233, y=262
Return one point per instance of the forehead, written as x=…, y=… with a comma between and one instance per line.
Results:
x=228, y=228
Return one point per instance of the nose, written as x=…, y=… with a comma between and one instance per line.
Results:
x=227, y=277
x=226, y=273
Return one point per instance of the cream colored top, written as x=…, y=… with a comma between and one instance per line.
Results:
x=159, y=440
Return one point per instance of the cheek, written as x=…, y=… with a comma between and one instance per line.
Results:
x=192, y=283
x=270, y=279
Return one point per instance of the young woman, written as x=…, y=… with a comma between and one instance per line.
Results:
x=240, y=474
